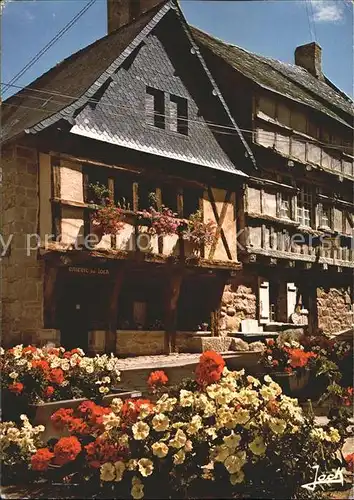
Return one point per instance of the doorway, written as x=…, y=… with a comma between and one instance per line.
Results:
x=73, y=312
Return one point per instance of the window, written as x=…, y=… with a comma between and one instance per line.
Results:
x=169, y=197
x=96, y=189
x=178, y=115
x=155, y=107
x=285, y=206
x=325, y=216
x=191, y=199
x=273, y=300
x=304, y=206
x=147, y=195
x=123, y=191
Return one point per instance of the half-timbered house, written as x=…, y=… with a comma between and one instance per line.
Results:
x=132, y=113
x=158, y=110
x=295, y=217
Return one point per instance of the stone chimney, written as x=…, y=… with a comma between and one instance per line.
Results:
x=121, y=12
x=309, y=56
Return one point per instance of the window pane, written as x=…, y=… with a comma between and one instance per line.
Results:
x=155, y=107
x=191, y=201
x=123, y=191
x=304, y=204
x=169, y=197
x=179, y=114
x=285, y=206
x=146, y=193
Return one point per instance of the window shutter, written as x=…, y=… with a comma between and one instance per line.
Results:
x=264, y=308
x=291, y=296
x=173, y=116
x=150, y=108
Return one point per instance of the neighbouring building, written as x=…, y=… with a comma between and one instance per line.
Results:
x=160, y=110
x=297, y=210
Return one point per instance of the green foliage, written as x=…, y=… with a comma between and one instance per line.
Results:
x=100, y=192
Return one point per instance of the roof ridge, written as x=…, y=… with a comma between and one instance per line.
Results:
x=333, y=99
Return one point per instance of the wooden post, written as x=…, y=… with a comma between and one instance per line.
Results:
x=172, y=295
x=215, y=302
x=111, y=334
x=159, y=207
x=49, y=298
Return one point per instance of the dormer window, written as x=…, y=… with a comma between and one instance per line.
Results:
x=179, y=115
x=155, y=107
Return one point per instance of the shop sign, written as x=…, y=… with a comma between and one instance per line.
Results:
x=88, y=270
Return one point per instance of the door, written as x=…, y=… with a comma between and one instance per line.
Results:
x=73, y=317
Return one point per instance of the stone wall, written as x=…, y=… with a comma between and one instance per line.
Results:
x=334, y=309
x=238, y=302
x=140, y=343
x=22, y=272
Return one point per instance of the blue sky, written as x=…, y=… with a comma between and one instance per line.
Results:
x=271, y=28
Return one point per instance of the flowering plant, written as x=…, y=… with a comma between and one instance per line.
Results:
x=332, y=357
x=210, y=368
x=53, y=374
x=157, y=380
x=289, y=357
x=162, y=222
x=350, y=462
x=108, y=218
x=198, y=232
x=231, y=436
x=17, y=444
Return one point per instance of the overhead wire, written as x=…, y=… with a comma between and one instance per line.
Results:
x=229, y=129
x=57, y=37
x=309, y=19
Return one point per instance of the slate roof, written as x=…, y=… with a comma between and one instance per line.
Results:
x=70, y=78
x=289, y=80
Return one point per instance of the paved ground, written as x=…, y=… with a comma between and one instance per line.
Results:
x=158, y=361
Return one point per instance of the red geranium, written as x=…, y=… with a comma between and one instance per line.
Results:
x=350, y=462
x=66, y=450
x=275, y=362
x=41, y=364
x=157, y=378
x=54, y=350
x=101, y=451
x=210, y=368
x=131, y=408
x=93, y=413
x=62, y=417
x=56, y=376
x=49, y=391
x=270, y=342
x=29, y=349
x=16, y=387
x=347, y=397
x=299, y=358
x=41, y=459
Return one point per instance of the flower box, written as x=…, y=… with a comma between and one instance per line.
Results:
x=40, y=413
x=293, y=384
x=249, y=360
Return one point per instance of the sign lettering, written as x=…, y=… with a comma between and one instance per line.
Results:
x=88, y=270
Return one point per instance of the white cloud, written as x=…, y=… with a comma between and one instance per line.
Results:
x=327, y=11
